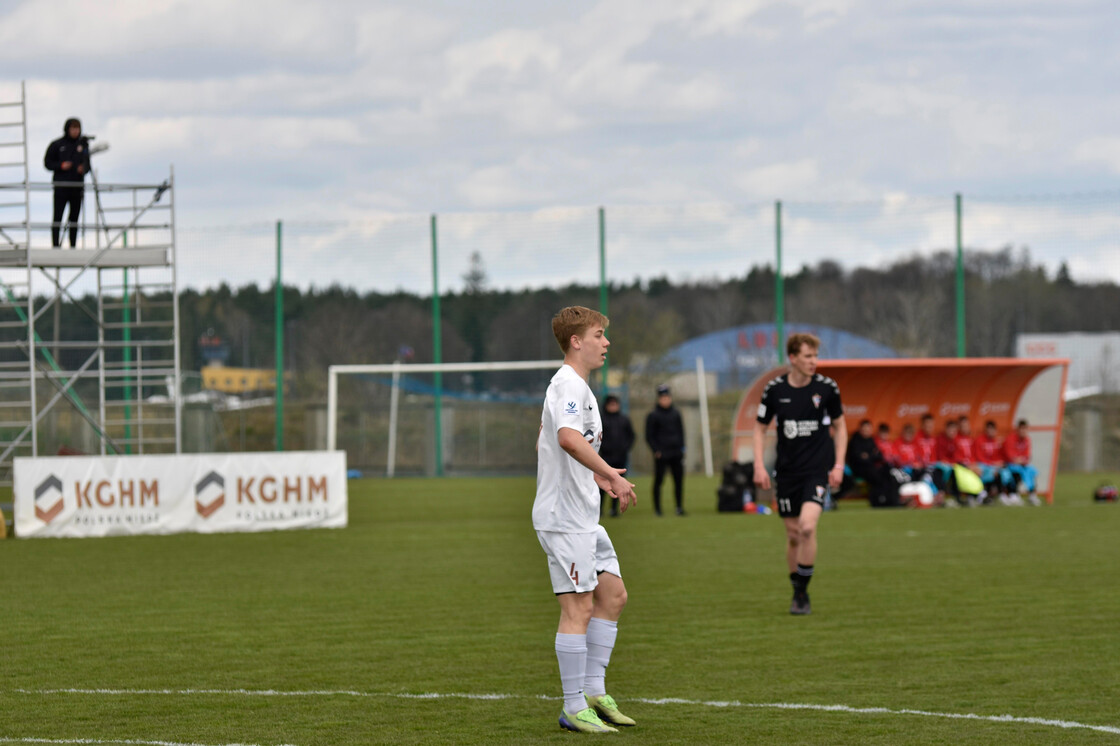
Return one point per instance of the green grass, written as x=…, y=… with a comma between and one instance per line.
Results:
x=440, y=586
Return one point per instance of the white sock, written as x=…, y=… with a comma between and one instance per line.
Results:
x=601, y=634
x=571, y=654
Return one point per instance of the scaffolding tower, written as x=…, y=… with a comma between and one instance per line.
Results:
x=89, y=336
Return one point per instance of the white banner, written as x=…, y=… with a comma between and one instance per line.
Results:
x=76, y=496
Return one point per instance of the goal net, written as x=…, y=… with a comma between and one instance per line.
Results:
x=433, y=419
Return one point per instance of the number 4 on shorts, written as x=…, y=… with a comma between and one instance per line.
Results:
x=574, y=573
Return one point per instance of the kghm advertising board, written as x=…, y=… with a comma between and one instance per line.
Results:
x=80, y=496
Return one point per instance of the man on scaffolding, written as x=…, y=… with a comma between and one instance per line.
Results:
x=68, y=158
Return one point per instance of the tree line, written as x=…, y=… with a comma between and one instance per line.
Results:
x=908, y=305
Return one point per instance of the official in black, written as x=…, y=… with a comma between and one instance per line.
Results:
x=665, y=436
x=866, y=462
x=68, y=158
x=618, y=439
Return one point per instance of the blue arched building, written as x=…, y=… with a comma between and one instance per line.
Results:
x=738, y=354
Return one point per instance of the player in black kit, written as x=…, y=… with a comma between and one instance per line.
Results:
x=812, y=438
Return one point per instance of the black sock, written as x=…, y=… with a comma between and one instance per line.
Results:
x=805, y=573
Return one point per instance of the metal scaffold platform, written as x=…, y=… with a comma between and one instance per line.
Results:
x=89, y=335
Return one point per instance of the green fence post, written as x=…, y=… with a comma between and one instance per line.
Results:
x=279, y=338
x=779, y=287
x=603, y=282
x=127, y=359
x=437, y=349
x=960, y=283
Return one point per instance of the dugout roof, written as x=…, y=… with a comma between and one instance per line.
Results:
x=900, y=391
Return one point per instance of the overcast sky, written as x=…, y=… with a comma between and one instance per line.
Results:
x=351, y=114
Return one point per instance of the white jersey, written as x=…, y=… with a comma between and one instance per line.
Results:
x=567, y=496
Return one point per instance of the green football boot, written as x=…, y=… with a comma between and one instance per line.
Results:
x=584, y=721
x=607, y=709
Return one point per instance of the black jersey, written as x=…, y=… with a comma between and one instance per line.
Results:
x=804, y=415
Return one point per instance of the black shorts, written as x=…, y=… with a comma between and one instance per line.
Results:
x=793, y=492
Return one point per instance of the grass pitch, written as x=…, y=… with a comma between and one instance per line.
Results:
x=439, y=587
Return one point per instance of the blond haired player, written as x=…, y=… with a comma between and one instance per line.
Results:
x=581, y=559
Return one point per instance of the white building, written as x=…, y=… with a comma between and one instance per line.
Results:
x=1094, y=358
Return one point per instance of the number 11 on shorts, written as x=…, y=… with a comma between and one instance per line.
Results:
x=785, y=505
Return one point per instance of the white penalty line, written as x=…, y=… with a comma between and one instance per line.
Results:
x=1048, y=722
x=109, y=742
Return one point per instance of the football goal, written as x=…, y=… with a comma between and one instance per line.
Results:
x=432, y=419
x=398, y=419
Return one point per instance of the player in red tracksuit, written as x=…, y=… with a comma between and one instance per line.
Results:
x=908, y=453
x=946, y=456
x=965, y=446
x=886, y=444
x=927, y=442
x=947, y=444
x=913, y=459
x=989, y=447
x=965, y=443
x=989, y=460
x=1017, y=456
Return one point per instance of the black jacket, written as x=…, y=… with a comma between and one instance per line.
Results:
x=618, y=439
x=863, y=455
x=665, y=432
x=68, y=149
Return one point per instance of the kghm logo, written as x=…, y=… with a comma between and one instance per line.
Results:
x=48, y=499
x=209, y=494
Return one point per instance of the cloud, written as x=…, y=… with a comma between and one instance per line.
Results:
x=780, y=179
x=177, y=38
x=341, y=111
x=1101, y=151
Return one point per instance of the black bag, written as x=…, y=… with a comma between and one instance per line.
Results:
x=882, y=491
x=729, y=499
x=1106, y=493
x=737, y=487
x=739, y=474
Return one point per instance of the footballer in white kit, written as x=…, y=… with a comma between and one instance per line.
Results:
x=566, y=511
x=582, y=563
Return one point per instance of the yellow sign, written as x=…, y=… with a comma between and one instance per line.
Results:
x=238, y=380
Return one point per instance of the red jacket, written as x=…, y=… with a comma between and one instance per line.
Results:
x=989, y=450
x=908, y=453
x=1015, y=449
x=927, y=449
x=966, y=454
x=887, y=448
x=947, y=450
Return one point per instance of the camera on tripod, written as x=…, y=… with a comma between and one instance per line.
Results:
x=91, y=149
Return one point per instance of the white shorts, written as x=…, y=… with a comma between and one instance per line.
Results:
x=575, y=560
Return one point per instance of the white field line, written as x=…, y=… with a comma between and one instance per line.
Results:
x=111, y=741
x=1048, y=722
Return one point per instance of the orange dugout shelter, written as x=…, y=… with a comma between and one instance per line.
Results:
x=900, y=391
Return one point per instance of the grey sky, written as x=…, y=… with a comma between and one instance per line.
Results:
x=349, y=112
